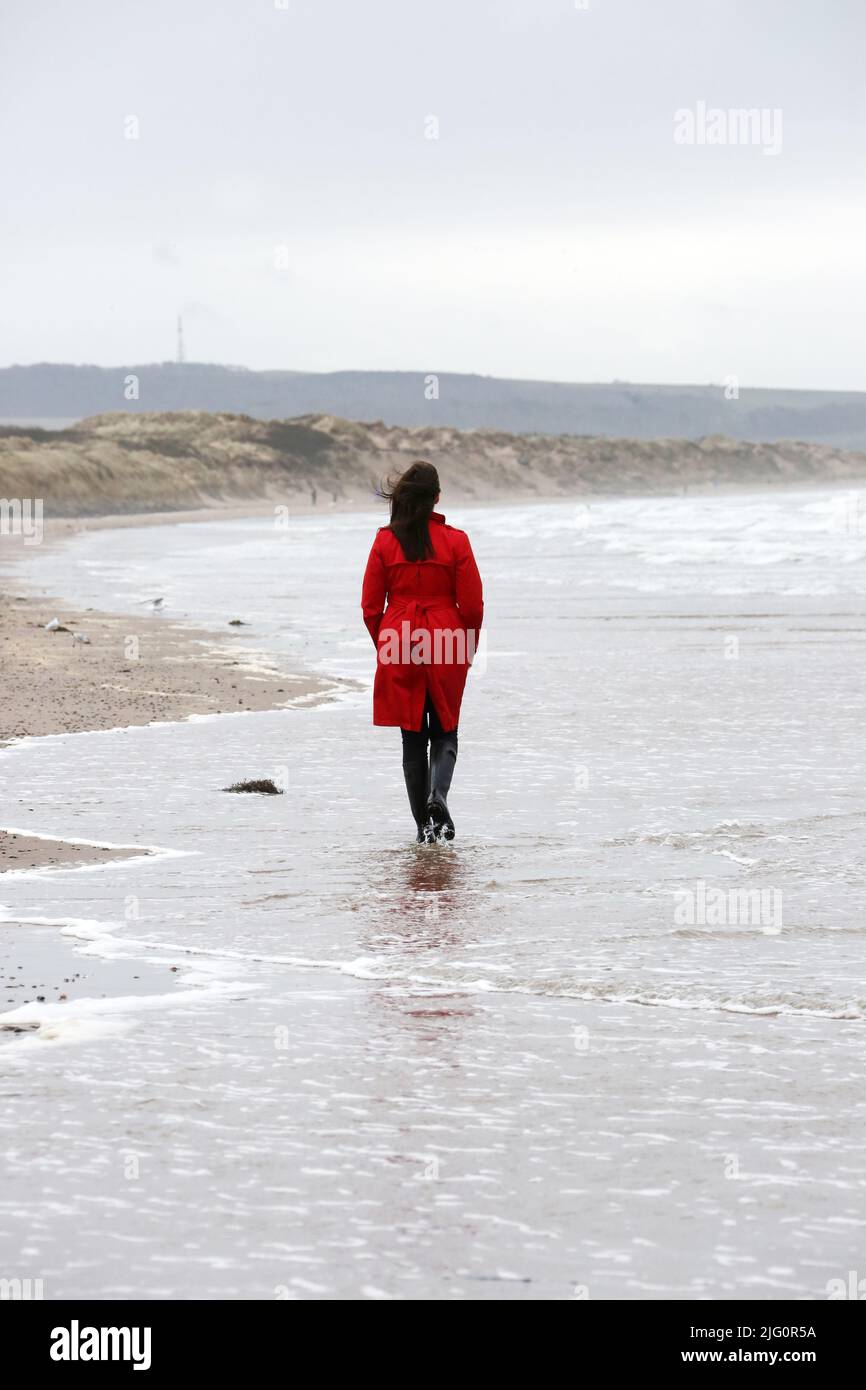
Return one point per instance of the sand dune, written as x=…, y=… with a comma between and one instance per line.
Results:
x=124, y=463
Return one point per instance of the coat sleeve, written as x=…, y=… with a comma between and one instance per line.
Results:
x=374, y=591
x=470, y=597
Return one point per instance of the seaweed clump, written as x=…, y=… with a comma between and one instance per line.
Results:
x=263, y=785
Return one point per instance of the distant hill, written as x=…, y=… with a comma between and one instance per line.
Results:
x=125, y=463
x=619, y=409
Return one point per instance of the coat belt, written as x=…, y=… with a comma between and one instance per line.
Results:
x=414, y=606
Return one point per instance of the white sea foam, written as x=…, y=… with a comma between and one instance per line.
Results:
x=87, y=1020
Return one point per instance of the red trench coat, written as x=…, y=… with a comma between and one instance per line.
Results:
x=440, y=597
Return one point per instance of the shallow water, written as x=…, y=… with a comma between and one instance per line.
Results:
x=559, y=1058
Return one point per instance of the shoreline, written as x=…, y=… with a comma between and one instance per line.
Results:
x=57, y=528
x=41, y=969
x=21, y=851
x=134, y=670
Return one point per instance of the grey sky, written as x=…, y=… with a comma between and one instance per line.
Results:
x=553, y=230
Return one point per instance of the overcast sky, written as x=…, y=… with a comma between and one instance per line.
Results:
x=554, y=230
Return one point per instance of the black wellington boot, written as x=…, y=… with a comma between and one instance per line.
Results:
x=417, y=776
x=443, y=756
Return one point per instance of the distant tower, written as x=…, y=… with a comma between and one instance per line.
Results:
x=180, y=354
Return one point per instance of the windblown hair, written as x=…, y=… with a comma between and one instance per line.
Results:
x=412, y=497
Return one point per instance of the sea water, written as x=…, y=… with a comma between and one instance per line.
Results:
x=608, y=1044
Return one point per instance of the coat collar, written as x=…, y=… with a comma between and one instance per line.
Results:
x=437, y=516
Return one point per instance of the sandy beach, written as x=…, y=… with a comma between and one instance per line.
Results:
x=132, y=671
x=24, y=852
x=136, y=672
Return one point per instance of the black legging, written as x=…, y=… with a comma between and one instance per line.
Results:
x=415, y=741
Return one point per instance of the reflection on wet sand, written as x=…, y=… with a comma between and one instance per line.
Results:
x=418, y=900
x=420, y=905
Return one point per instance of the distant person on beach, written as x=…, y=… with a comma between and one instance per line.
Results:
x=426, y=638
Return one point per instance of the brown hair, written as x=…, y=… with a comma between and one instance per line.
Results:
x=412, y=497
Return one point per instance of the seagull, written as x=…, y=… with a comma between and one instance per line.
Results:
x=81, y=637
x=154, y=602
x=55, y=626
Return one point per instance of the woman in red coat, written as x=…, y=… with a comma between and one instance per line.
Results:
x=426, y=637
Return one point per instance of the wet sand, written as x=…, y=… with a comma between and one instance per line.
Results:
x=33, y=852
x=39, y=965
x=132, y=671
